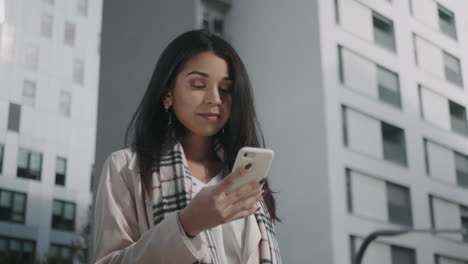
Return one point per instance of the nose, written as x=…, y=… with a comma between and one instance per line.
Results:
x=213, y=96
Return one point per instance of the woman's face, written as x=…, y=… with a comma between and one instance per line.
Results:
x=201, y=98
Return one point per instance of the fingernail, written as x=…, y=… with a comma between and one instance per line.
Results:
x=257, y=209
x=248, y=166
x=262, y=181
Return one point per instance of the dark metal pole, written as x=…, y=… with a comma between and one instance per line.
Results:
x=372, y=236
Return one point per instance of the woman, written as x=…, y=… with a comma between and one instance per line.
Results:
x=164, y=200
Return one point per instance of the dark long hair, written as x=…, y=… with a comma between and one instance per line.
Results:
x=148, y=130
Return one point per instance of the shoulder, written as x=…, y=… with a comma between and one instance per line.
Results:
x=121, y=159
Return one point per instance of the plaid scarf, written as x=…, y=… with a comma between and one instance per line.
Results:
x=172, y=191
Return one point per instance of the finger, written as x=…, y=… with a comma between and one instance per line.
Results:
x=234, y=176
x=252, y=188
x=243, y=205
x=244, y=213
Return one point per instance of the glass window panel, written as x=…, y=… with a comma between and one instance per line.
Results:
x=3, y=244
x=383, y=32
x=14, y=115
x=464, y=223
x=32, y=57
x=53, y=251
x=28, y=247
x=58, y=208
x=19, y=203
x=218, y=26
x=78, y=71
x=70, y=33
x=388, y=84
x=14, y=245
x=5, y=199
x=461, y=162
x=35, y=162
x=447, y=22
x=83, y=7
x=29, y=93
x=17, y=217
x=47, y=25
x=402, y=255
x=7, y=42
x=452, y=69
x=458, y=119
x=394, y=144
x=64, y=103
x=66, y=253
x=23, y=159
x=69, y=213
x=61, y=165
x=399, y=205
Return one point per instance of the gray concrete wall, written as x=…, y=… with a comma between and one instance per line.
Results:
x=279, y=43
x=133, y=36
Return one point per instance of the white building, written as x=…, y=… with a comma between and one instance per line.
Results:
x=49, y=66
x=363, y=101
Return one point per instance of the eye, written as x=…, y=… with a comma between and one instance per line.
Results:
x=197, y=84
x=225, y=90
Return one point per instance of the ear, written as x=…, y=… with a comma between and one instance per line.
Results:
x=168, y=100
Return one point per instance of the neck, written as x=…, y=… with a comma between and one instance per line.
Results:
x=197, y=148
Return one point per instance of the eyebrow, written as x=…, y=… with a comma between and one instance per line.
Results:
x=204, y=74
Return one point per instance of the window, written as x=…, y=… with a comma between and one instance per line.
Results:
x=83, y=7
x=61, y=253
x=384, y=35
x=394, y=147
x=12, y=206
x=218, y=26
x=64, y=103
x=399, y=205
x=389, y=87
x=29, y=164
x=14, y=114
x=452, y=69
x=458, y=118
x=47, y=25
x=29, y=93
x=447, y=214
x=14, y=250
x=368, y=78
x=379, y=252
x=70, y=34
x=1, y=157
x=63, y=216
x=464, y=221
x=448, y=260
x=461, y=164
x=31, y=57
x=78, y=71
x=60, y=171
x=213, y=18
x=447, y=22
x=7, y=41
x=401, y=255
x=349, y=191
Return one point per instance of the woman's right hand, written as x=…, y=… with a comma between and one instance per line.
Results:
x=213, y=206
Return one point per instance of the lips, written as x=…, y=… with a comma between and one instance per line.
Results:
x=210, y=116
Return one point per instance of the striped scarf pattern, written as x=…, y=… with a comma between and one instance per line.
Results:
x=171, y=192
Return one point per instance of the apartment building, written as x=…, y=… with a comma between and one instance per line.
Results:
x=49, y=66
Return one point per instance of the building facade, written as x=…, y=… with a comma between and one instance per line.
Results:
x=363, y=101
x=49, y=67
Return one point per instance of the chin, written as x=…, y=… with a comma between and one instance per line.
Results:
x=206, y=132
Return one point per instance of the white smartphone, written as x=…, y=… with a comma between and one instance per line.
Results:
x=260, y=158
